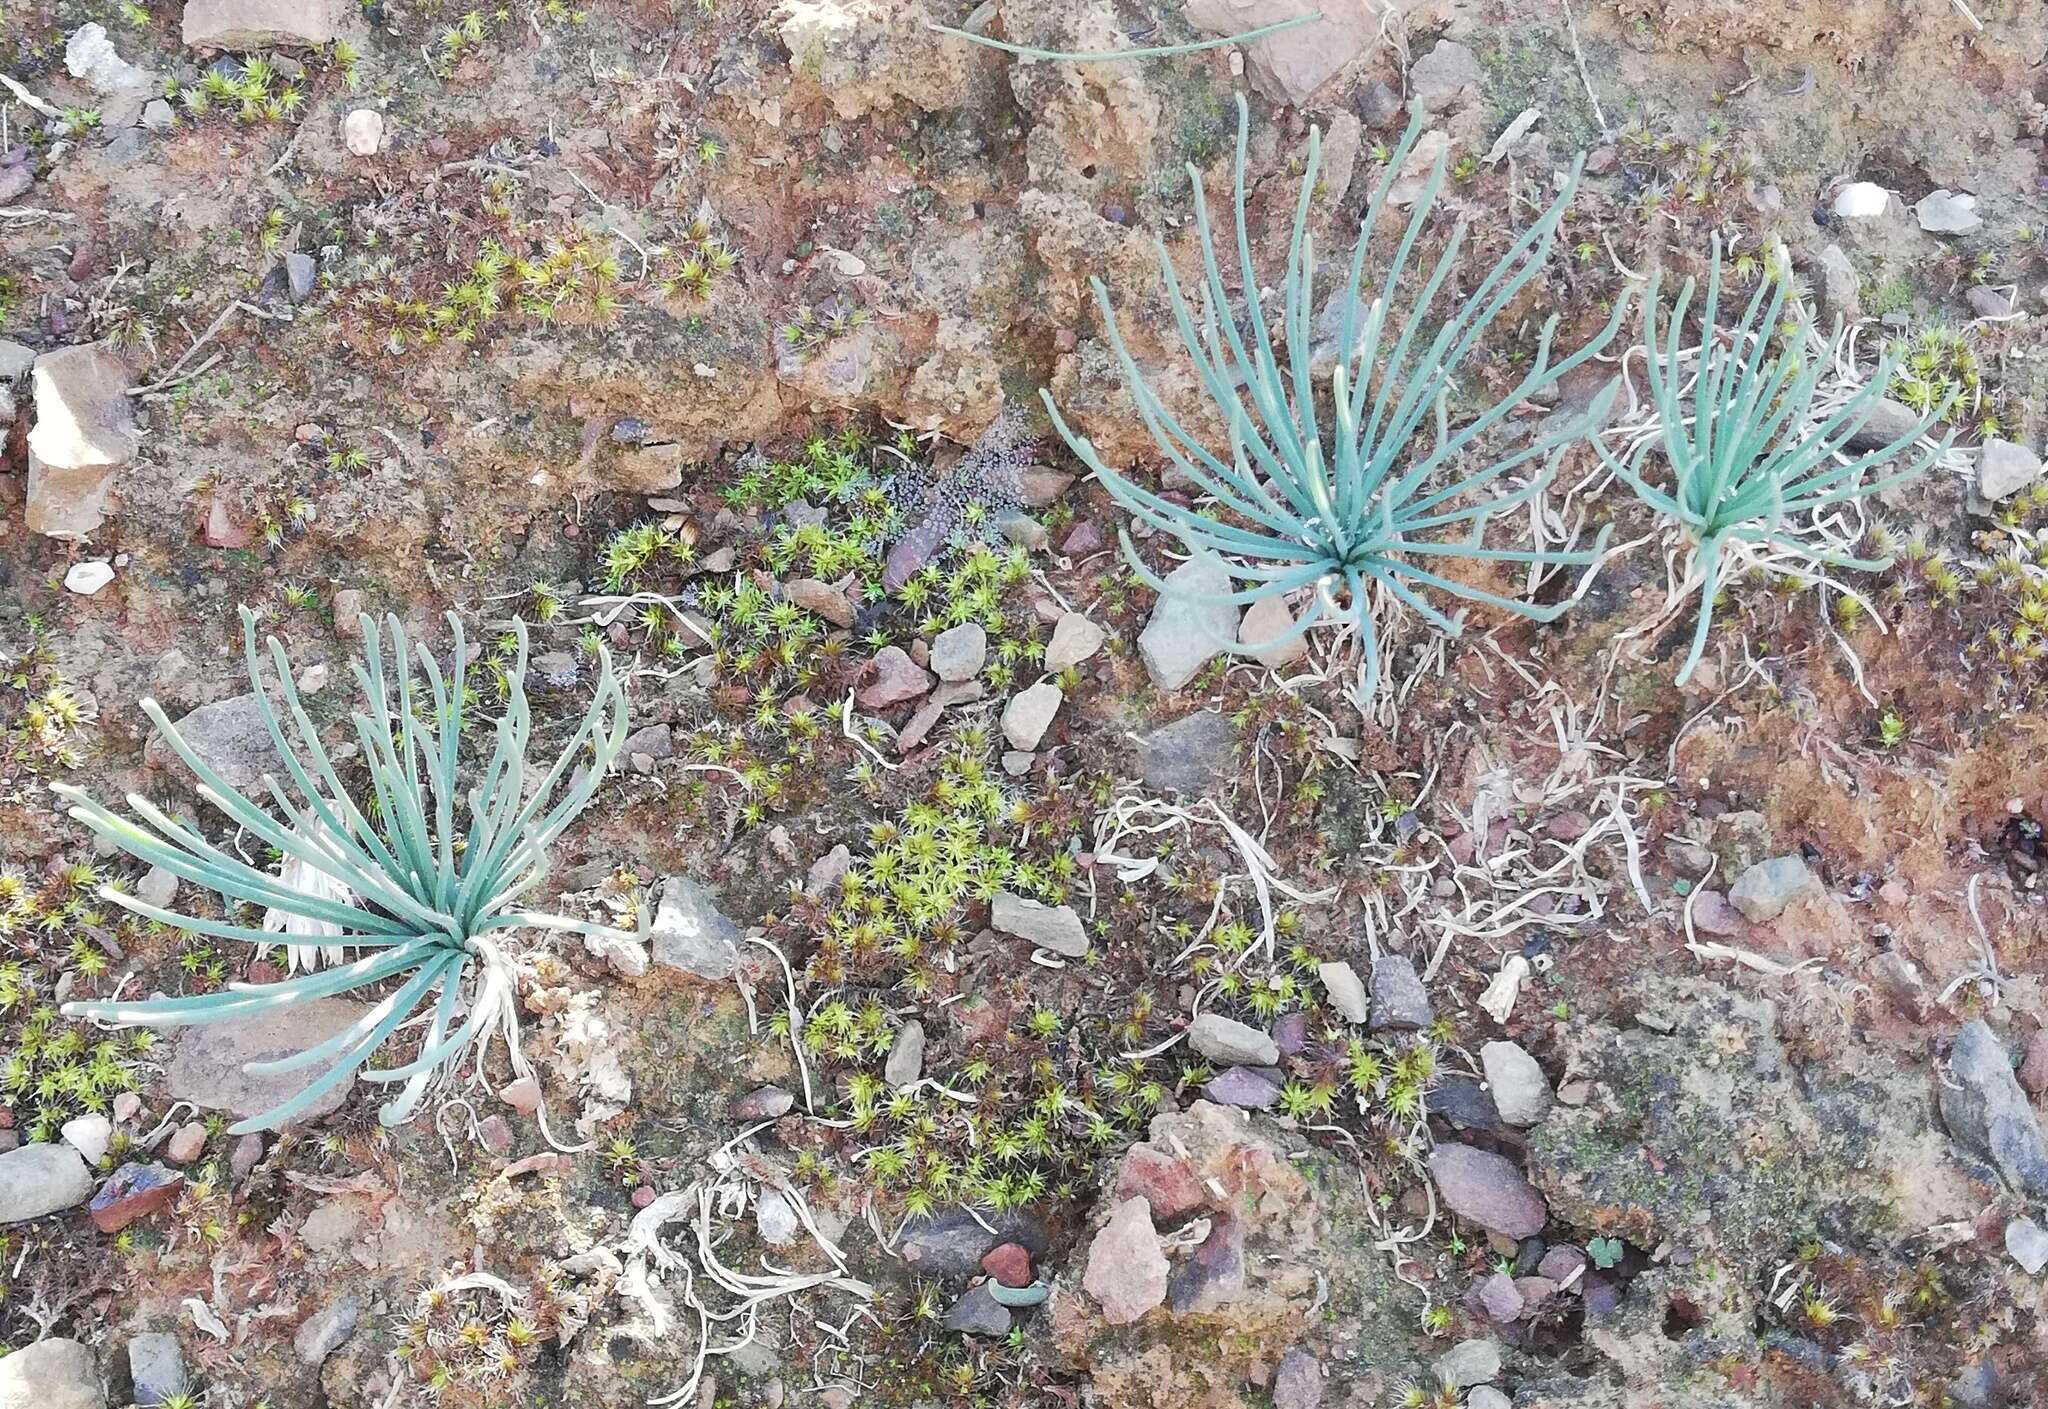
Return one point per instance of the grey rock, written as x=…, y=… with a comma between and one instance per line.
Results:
x=763, y=1103
x=1840, y=288
x=246, y=1153
x=1231, y=1042
x=299, y=271
x=1889, y=421
x=1347, y=994
x=327, y=1329
x=2027, y=1243
x=959, y=652
x=51, y=1374
x=40, y=1179
x=1017, y=762
x=1290, y=66
x=157, y=116
x=15, y=360
x=1469, y=1363
x=1763, y=891
x=1487, y=1189
x=1249, y=1088
x=775, y=1219
x=692, y=934
x=1399, y=1001
x=621, y=953
x=653, y=743
x=1214, y=1276
x=1988, y=303
x=88, y=1134
x=1444, y=76
x=206, y=1064
x=951, y=1244
x=1192, y=755
x=1024, y=531
x=1189, y=625
x=828, y=871
x=1946, y=212
x=1074, y=639
x=1030, y=713
x=2004, y=469
x=230, y=737
x=1487, y=1397
x=84, y=432
x=156, y=1366
x=1500, y=1298
x=978, y=1313
x=1378, y=103
x=1466, y=1104
x=1986, y=1110
x=1521, y=1092
x=1054, y=927
x=157, y=887
x=906, y=1055
x=1298, y=1383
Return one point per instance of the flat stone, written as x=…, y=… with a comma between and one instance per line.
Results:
x=1248, y=1088
x=1074, y=639
x=959, y=652
x=692, y=934
x=1126, y=1268
x=83, y=433
x=299, y=273
x=2004, y=469
x=206, y=1062
x=1189, y=625
x=1192, y=755
x=257, y=24
x=1054, y=927
x=1841, y=290
x=820, y=598
x=230, y=737
x=2027, y=1243
x=897, y=678
x=1562, y=1265
x=1988, y=302
x=1500, y=1298
x=1987, y=1112
x=1886, y=423
x=1290, y=66
x=1347, y=993
x=1023, y=531
x=978, y=1313
x=245, y=1154
x=828, y=871
x=1030, y=713
x=1231, y=1042
x=158, y=116
x=1399, y=1001
x=135, y=1191
x=906, y=1055
x=1947, y=212
x=121, y=88
x=1487, y=1397
x=56, y=1373
x=1521, y=1092
x=157, y=887
x=2033, y=1069
x=1162, y=1180
x=1486, y=1189
x=1763, y=891
x=1266, y=620
x=327, y=1329
x=156, y=1367
x=86, y=579
x=1465, y=1103
x=763, y=1103
x=951, y=1244
x=1469, y=1363
x=41, y=1179
x=16, y=360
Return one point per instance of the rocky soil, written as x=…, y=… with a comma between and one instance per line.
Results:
x=1013, y=999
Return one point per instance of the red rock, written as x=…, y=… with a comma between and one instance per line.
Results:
x=186, y=1144
x=544, y=1163
x=897, y=678
x=135, y=1191
x=1085, y=538
x=1008, y=1263
x=643, y=1196
x=222, y=529
x=1126, y=1268
x=2034, y=1066
x=1167, y=1184
x=495, y=1133
x=1713, y=914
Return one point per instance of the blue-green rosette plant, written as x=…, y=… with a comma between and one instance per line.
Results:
x=423, y=888
x=1747, y=451
x=1349, y=481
